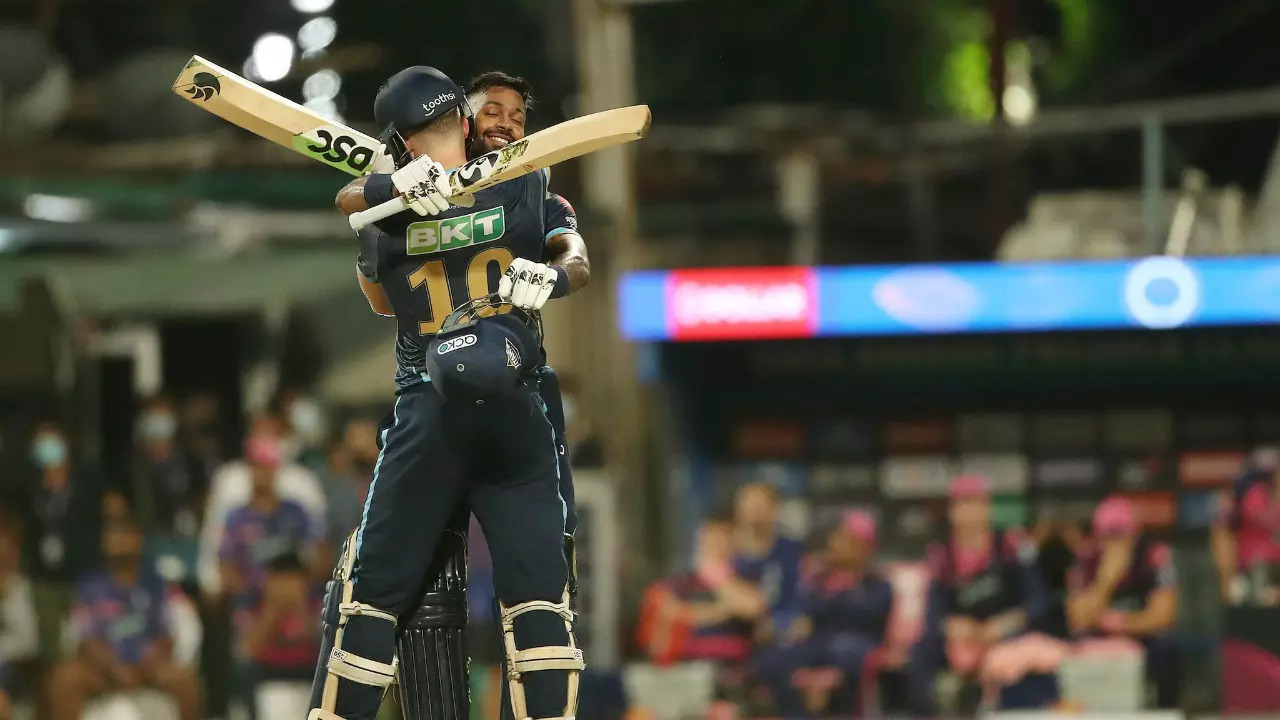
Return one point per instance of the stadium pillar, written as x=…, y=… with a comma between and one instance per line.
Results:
x=606, y=79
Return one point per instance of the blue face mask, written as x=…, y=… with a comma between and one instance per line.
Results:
x=49, y=452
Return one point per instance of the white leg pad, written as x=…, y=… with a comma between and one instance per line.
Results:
x=553, y=657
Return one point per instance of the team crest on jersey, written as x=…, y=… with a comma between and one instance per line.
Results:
x=457, y=343
x=513, y=355
x=429, y=236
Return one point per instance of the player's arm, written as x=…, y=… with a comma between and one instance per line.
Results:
x=564, y=247
x=367, y=272
x=353, y=198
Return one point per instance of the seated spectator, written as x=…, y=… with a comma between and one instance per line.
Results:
x=1057, y=544
x=345, y=478
x=706, y=614
x=844, y=609
x=762, y=557
x=260, y=532
x=306, y=428
x=1243, y=535
x=121, y=620
x=283, y=635
x=1124, y=586
x=19, y=640
x=169, y=487
x=232, y=488
x=61, y=508
x=985, y=589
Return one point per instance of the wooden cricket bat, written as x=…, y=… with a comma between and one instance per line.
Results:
x=558, y=143
x=278, y=119
x=287, y=123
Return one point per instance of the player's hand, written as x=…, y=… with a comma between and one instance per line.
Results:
x=527, y=284
x=423, y=183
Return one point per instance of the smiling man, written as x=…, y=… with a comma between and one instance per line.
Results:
x=500, y=104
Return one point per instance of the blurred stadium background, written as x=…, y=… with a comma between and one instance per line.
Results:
x=868, y=246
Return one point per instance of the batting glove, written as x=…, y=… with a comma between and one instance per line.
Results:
x=424, y=185
x=527, y=284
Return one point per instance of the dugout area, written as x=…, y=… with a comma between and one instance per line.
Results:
x=1056, y=421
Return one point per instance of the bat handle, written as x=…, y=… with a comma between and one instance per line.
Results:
x=364, y=218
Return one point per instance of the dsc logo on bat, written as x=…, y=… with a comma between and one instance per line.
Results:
x=332, y=146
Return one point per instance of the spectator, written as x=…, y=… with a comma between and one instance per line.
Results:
x=1243, y=536
x=62, y=508
x=362, y=441
x=19, y=640
x=1125, y=586
x=708, y=613
x=169, y=486
x=304, y=439
x=1057, y=545
x=232, y=488
x=200, y=431
x=763, y=558
x=260, y=532
x=844, y=612
x=345, y=479
x=985, y=589
x=282, y=638
x=121, y=620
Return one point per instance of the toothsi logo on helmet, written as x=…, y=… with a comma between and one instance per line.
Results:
x=457, y=343
x=442, y=98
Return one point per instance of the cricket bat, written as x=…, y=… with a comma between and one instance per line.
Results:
x=279, y=119
x=287, y=123
x=558, y=143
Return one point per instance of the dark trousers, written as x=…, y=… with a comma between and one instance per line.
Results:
x=1163, y=669
x=843, y=651
x=500, y=458
x=549, y=391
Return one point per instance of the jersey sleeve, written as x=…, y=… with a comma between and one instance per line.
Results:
x=558, y=216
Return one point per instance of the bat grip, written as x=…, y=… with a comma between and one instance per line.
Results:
x=364, y=218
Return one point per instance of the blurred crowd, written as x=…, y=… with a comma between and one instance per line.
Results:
x=199, y=578
x=185, y=561
x=987, y=618
x=192, y=574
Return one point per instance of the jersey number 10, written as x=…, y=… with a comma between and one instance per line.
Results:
x=432, y=275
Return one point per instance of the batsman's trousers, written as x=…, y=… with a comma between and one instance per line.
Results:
x=501, y=460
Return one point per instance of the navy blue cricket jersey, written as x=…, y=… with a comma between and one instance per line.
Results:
x=430, y=265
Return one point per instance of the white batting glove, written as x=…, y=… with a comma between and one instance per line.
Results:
x=527, y=284
x=422, y=182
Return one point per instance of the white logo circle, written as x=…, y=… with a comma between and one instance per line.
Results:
x=457, y=343
x=1161, y=316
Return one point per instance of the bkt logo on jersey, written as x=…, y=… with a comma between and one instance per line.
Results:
x=431, y=236
x=457, y=343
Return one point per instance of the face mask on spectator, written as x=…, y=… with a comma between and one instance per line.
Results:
x=48, y=452
x=307, y=421
x=157, y=426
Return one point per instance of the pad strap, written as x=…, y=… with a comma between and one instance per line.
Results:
x=515, y=611
x=361, y=670
x=352, y=609
x=550, y=657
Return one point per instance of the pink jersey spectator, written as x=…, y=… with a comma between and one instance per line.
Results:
x=1259, y=527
